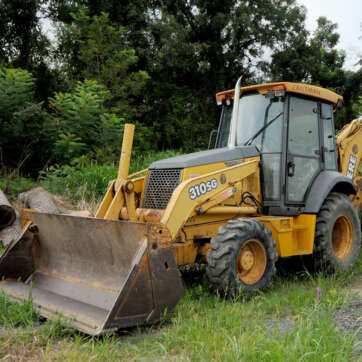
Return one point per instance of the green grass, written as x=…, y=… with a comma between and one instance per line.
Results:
x=85, y=180
x=13, y=186
x=204, y=327
x=82, y=180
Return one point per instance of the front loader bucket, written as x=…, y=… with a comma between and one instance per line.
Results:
x=100, y=274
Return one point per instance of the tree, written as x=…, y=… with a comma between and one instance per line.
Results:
x=201, y=47
x=311, y=59
x=23, y=43
x=103, y=54
x=191, y=50
x=21, y=40
x=23, y=139
x=81, y=125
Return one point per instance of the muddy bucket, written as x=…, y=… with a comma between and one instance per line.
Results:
x=101, y=275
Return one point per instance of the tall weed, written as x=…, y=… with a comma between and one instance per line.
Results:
x=88, y=180
x=13, y=186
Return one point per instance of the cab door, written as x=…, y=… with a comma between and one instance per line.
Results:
x=303, y=161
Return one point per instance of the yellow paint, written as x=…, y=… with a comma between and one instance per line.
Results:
x=139, y=184
x=200, y=218
x=300, y=88
x=131, y=206
x=126, y=154
x=114, y=209
x=196, y=171
x=349, y=142
x=181, y=206
x=132, y=175
x=208, y=229
x=107, y=199
x=185, y=253
x=294, y=235
x=25, y=221
x=143, y=189
x=358, y=198
x=250, y=183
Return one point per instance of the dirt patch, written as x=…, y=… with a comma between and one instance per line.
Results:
x=64, y=205
x=282, y=325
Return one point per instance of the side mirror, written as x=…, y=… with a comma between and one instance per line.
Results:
x=212, y=133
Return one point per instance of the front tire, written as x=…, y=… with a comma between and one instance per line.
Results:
x=242, y=258
x=338, y=234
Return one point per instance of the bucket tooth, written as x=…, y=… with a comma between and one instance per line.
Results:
x=101, y=275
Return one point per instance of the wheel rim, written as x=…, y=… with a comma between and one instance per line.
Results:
x=342, y=237
x=251, y=261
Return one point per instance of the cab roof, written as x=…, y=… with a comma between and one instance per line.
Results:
x=299, y=88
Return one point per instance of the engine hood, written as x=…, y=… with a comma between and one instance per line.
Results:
x=206, y=157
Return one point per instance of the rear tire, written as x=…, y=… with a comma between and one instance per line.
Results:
x=242, y=258
x=338, y=234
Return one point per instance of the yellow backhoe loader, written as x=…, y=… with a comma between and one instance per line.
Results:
x=278, y=184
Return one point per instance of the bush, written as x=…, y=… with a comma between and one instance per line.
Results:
x=23, y=139
x=13, y=186
x=80, y=123
x=87, y=180
x=16, y=89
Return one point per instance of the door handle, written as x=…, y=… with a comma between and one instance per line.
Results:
x=291, y=168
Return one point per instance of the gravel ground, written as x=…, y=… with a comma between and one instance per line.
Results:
x=349, y=317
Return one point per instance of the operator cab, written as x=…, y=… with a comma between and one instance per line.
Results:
x=292, y=126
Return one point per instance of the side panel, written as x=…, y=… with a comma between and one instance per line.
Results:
x=197, y=195
x=293, y=235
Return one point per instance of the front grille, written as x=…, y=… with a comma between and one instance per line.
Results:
x=160, y=186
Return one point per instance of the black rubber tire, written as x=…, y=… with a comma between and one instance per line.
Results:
x=335, y=206
x=222, y=270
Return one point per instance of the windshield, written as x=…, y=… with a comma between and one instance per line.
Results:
x=224, y=127
x=255, y=112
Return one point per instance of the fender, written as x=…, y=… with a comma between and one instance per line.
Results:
x=324, y=183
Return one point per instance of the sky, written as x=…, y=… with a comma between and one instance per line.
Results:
x=348, y=16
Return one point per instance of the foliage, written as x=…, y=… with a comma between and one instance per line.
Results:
x=16, y=314
x=94, y=49
x=23, y=43
x=12, y=185
x=80, y=124
x=88, y=180
x=202, y=47
x=155, y=64
x=358, y=107
x=312, y=59
x=315, y=59
x=105, y=58
x=22, y=121
x=21, y=40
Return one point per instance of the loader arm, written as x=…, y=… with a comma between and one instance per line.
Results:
x=199, y=194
